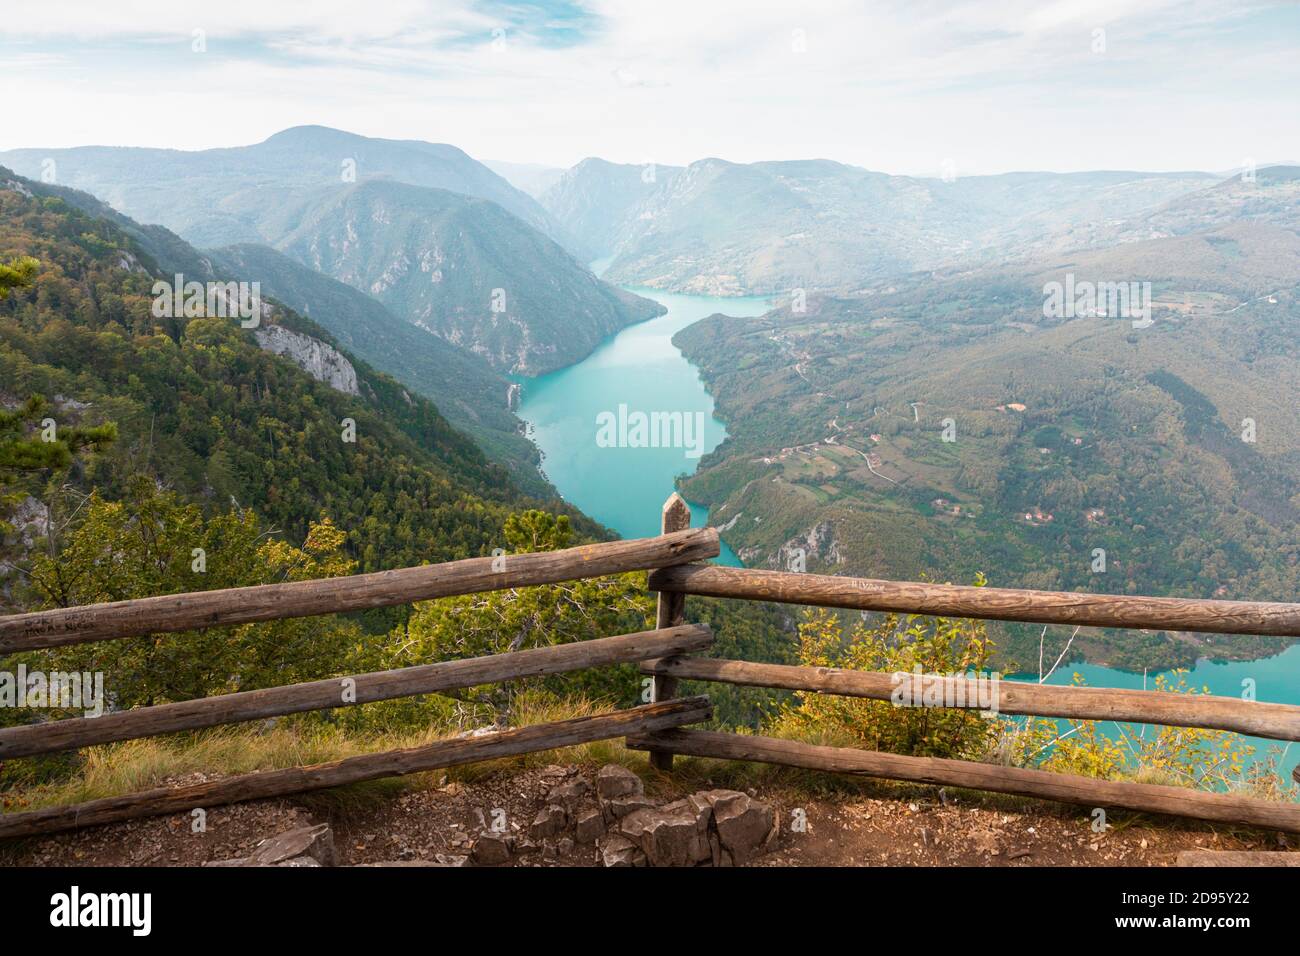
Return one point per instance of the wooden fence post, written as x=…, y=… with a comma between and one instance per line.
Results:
x=672, y=606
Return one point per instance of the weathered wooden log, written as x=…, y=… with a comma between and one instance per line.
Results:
x=1275, y=721
x=1004, y=604
x=393, y=763
x=1042, y=784
x=198, y=609
x=1236, y=858
x=29, y=739
x=670, y=611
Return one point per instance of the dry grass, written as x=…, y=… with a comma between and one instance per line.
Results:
x=131, y=766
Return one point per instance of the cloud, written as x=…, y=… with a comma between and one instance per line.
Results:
x=890, y=85
x=93, y=19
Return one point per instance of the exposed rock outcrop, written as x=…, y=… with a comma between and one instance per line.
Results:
x=322, y=362
x=817, y=543
x=14, y=185
x=491, y=849
x=30, y=520
x=614, y=781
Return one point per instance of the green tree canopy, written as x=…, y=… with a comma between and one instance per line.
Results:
x=17, y=274
x=154, y=543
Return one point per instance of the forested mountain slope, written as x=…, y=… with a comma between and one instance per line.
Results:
x=279, y=435
x=469, y=392
x=201, y=404
x=1172, y=447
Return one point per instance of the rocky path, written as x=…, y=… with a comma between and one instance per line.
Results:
x=594, y=816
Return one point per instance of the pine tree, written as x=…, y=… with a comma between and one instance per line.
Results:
x=21, y=453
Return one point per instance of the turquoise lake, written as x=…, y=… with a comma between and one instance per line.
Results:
x=625, y=488
x=1276, y=679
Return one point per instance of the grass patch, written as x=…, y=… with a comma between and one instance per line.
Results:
x=113, y=770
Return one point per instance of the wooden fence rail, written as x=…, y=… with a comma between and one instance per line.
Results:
x=200, y=609
x=29, y=739
x=1042, y=784
x=658, y=726
x=1005, y=604
x=277, y=783
x=1275, y=721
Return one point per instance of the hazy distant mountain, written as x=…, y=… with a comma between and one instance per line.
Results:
x=220, y=196
x=726, y=228
x=468, y=392
x=1220, y=266
x=1241, y=258
x=1123, y=215
x=466, y=232
x=1027, y=214
x=463, y=268
x=597, y=201
x=1273, y=196
x=530, y=177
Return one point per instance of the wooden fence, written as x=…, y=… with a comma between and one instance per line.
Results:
x=659, y=726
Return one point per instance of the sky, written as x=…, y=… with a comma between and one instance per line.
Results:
x=920, y=87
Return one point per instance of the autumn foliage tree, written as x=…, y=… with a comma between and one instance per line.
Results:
x=16, y=274
x=154, y=543
x=497, y=622
x=897, y=643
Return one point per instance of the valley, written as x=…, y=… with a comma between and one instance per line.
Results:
x=1049, y=450
x=625, y=487
x=1054, y=454
x=622, y=436
x=864, y=487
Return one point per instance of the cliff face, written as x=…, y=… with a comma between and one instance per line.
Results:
x=322, y=362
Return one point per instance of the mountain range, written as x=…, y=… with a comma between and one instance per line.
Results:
x=221, y=196
x=721, y=228
x=435, y=235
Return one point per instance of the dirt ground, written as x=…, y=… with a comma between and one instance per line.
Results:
x=929, y=827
